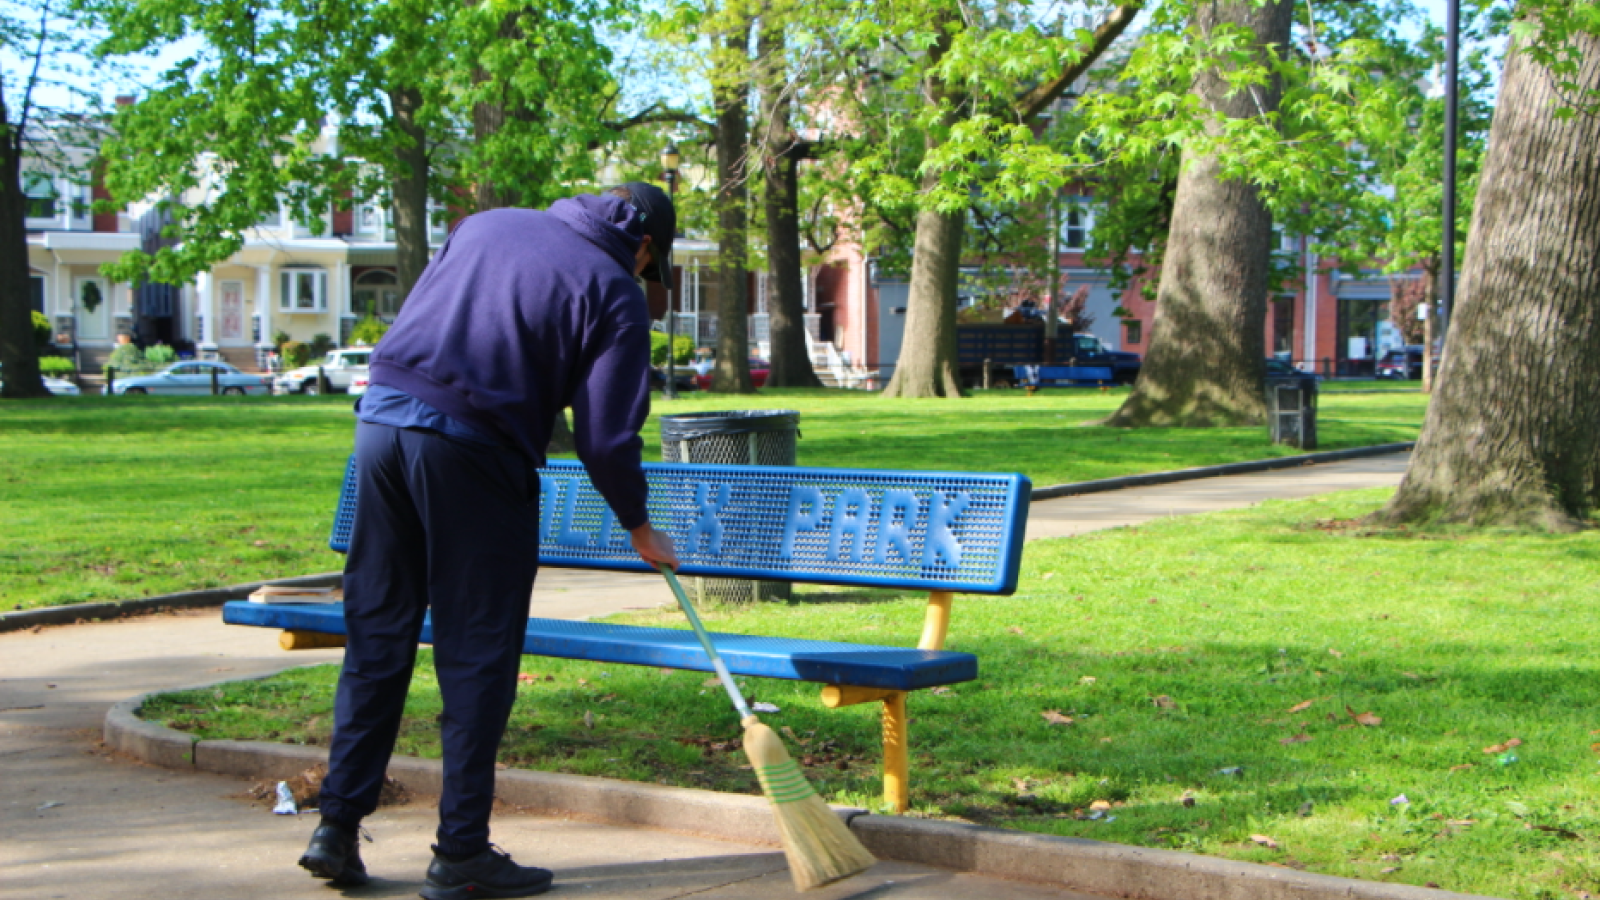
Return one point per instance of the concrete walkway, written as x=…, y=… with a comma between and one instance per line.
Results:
x=77, y=822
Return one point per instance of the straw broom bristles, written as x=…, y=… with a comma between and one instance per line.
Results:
x=817, y=842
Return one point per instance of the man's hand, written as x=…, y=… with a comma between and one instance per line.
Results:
x=654, y=547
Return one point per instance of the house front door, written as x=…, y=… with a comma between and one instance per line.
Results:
x=91, y=302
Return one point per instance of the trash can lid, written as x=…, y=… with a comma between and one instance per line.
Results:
x=688, y=426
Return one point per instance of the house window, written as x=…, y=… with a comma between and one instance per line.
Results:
x=303, y=291
x=273, y=218
x=369, y=220
x=36, y=292
x=1132, y=332
x=1077, y=224
x=40, y=191
x=377, y=293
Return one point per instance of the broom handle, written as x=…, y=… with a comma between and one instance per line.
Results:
x=705, y=641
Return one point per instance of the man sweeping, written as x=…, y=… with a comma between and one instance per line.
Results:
x=521, y=314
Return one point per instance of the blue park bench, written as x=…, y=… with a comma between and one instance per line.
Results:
x=1032, y=377
x=942, y=532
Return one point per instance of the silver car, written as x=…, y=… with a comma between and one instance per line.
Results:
x=193, y=377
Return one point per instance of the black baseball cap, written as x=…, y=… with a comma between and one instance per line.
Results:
x=659, y=219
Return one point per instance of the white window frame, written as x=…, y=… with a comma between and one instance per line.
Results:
x=319, y=291
x=1082, y=210
x=378, y=220
x=32, y=183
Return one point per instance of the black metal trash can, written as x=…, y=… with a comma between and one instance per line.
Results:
x=1292, y=411
x=756, y=437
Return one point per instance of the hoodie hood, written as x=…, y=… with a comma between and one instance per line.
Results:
x=607, y=222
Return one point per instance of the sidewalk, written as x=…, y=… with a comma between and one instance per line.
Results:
x=120, y=829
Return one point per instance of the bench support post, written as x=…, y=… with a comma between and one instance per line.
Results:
x=896, y=753
x=290, y=639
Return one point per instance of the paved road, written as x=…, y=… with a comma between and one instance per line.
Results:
x=76, y=822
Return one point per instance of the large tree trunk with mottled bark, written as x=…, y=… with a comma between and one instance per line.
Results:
x=732, y=374
x=1512, y=436
x=1206, y=365
x=928, y=366
x=18, y=354
x=790, y=365
x=409, y=185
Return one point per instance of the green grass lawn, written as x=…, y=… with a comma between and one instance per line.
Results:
x=108, y=498
x=1273, y=672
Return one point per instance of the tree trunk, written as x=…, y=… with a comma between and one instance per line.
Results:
x=409, y=185
x=19, y=356
x=1206, y=365
x=928, y=366
x=1512, y=432
x=1430, y=302
x=790, y=365
x=732, y=374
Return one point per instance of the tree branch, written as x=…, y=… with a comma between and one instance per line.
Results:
x=1032, y=103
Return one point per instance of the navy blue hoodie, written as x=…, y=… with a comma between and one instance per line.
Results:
x=523, y=313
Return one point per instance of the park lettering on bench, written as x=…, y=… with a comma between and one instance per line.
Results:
x=833, y=525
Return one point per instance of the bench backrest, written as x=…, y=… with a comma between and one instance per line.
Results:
x=944, y=531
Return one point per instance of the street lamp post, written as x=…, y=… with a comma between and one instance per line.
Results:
x=669, y=165
x=1447, y=256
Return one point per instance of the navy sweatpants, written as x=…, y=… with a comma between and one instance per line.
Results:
x=451, y=525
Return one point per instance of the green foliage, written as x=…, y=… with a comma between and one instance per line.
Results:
x=320, y=345
x=279, y=338
x=126, y=359
x=56, y=366
x=41, y=330
x=159, y=355
x=369, y=331
x=683, y=349
x=295, y=354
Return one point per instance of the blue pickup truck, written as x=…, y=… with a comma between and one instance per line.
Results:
x=1004, y=347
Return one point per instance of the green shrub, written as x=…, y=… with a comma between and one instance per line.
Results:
x=683, y=347
x=160, y=355
x=56, y=366
x=320, y=345
x=369, y=331
x=126, y=359
x=295, y=354
x=279, y=338
x=41, y=330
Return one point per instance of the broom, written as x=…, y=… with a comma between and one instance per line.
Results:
x=819, y=846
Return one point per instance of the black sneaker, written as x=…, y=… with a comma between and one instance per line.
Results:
x=335, y=854
x=489, y=874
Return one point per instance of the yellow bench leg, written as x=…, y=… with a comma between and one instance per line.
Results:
x=896, y=754
x=308, y=640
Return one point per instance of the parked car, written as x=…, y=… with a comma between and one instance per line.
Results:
x=1278, y=370
x=194, y=377
x=684, y=377
x=359, y=384
x=340, y=366
x=758, y=375
x=57, y=386
x=1404, y=364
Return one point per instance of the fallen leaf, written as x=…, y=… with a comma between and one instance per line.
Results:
x=525, y=677
x=941, y=689
x=1461, y=823
x=1501, y=748
x=1264, y=841
x=1302, y=706
x=583, y=682
x=1335, y=653
x=1015, y=629
x=1366, y=718
x=1300, y=738
x=1461, y=767
x=1054, y=717
x=710, y=682
x=1411, y=675
x=1088, y=679
x=1164, y=702
x=1105, y=740
x=1100, y=804
x=1387, y=870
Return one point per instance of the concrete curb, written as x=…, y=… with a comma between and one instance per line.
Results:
x=1238, y=468
x=67, y=615
x=1077, y=864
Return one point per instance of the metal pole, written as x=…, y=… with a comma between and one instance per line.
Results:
x=1447, y=273
x=670, y=390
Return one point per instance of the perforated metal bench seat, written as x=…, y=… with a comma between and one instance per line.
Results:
x=826, y=662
